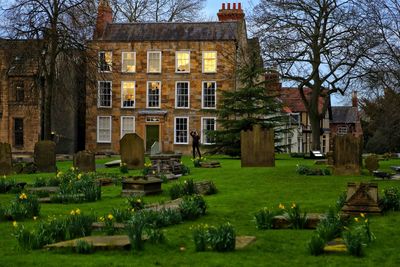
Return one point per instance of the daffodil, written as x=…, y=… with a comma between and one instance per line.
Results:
x=23, y=196
x=154, y=172
x=72, y=169
x=366, y=221
x=101, y=219
x=362, y=215
x=78, y=211
x=110, y=217
x=34, y=218
x=59, y=174
x=133, y=210
x=79, y=176
x=72, y=212
x=281, y=206
x=293, y=205
x=15, y=224
x=356, y=219
x=139, y=200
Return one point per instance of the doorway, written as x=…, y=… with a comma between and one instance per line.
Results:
x=152, y=135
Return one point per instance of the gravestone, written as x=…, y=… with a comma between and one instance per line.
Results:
x=140, y=185
x=372, y=163
x=166, y=163
x=257, y=147
x=155, y=148
x=85, y=161
x=362, y=198
x=5, y=159
x=347, y=153
x=45, y=156
x=132, y=151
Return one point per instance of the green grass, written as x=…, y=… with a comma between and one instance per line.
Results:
x=242, y=191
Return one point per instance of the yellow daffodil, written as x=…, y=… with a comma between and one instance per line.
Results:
x=366, y=220
x=133, y=210
x=293, y=205
x=362, y=215
x=281, y=206
x=34, y=218
x=23, y=196
x=72, y=169
x=72, y=212
x=15, y=224
x=139, y=200
x=78, y=211
x=59, y=174
x=101, y=219
x=356, y=219
x=110, y=217
x=79, y=176
x=4, y=177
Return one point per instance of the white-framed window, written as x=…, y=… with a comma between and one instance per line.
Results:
x=182, y=61
x=209, y=95
x=104, y=95
x=153, y=61
x=182, y=94
x=128, y=62
x=105, y=61
x=208, y=124
x=128, y=94
x=104, y=129
x=209, y=61
x=181, y=130
x=127, y=125
x=342, y=130
x=153, y=94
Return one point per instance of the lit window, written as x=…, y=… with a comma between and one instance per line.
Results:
x=104, y=94
x=128, y=94
x=342, y=130
x=209, y=62
x=207, y=126
x=182, y=95
x=153, y=94
x=128, y=61
x=154, y=62
x=127, y=125
x=182, y=61
x=181, y=129
x=105, y=61
x=104, y=129
x=209, y=95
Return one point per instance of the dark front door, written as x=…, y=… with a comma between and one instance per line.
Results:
x=152, y=135
x=18, y=132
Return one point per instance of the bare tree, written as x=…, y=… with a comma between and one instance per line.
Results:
x=157, y=10
x=62, y=26
x=316, y=44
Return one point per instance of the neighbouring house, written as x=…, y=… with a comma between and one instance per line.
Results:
x=21, y=88
x=346, y=119
x=161, y=80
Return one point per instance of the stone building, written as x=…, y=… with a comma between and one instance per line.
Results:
x=161, y=80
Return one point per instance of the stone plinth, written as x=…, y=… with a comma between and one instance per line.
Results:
x=139, y=185
x=362, y=198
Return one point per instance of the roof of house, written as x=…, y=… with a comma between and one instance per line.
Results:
x=346, y=114
x=171, y=31
x=291, y=98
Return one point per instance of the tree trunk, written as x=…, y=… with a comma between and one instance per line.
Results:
x=316, y=132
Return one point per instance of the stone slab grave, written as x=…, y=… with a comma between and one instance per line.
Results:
x=45, y=156
x=105, y=181
x=313, y=219
x=210, y=164
x=347, y=155
x=244, y=241
x=257, y=147
x=85, y=161
x=166, y=164
x=140, y=185
x=47, y=189
x=204, y=187
x=362, y=198
x=113, y=163
x=132, y=151
x=5, y=159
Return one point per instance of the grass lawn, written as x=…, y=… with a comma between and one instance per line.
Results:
x=242, y=191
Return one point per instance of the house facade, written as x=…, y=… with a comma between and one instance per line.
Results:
x=161, y=80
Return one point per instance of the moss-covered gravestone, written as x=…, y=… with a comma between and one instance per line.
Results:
x=85, y=161
x=362, y=198
x=5, y=159
x=372, y=163
x=45, y=156
x=257, y=147
x=132, y=151
x=347, y=155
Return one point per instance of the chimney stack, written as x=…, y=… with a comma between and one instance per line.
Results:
x=273, y=82
x=104, y=17
x=354, y=99
x=228, y=14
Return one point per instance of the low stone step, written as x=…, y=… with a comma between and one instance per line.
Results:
x=48, y=189
x=114, y=242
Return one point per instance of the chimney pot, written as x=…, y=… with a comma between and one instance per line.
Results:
x=240, y=6
x=229, y=5
x=234, y=5
x=223, y=5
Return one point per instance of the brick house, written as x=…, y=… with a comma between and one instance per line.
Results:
x=161, y=80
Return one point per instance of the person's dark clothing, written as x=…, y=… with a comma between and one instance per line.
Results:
x=195, y=144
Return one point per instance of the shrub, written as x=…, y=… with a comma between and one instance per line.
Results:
x=79, y=224
x=123, y=168
x=295, y=218
x=188, y=188
x=53, y=181
x=155, y=235
x=330, y=226
x=135, y=202
x=222, y=238
x=200, y=237
x=27, y=239
x=170, y=216
x=39, y=182
x=390, y=200
x=121, y=215
x=341, y=200
x=192, y=207
x=147, y=168
x=83, y=247
x=7, y=184
x=185, y=169
x=109, y=227
x=24, y=206
x=297, y=155
x=135, y=228
x=372, y=163
x=197, y=161
x=354, y=241
x=305, y=170
x=176, y=191
x=264, y=218
x=316, y=245
x=212, y=189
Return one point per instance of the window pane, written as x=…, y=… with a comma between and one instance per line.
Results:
x=105, y=61
x=182, y=61
x=182, y=95
x=209, y=61
x=128, y=94
x=127, y=125
x=154, y=62
x=18, y=132
x=19, y=92
x=104, y=130
x=209, y=91
x=128, y=62
x=181, y=132
x=208, y=126
x=153, y=94
x=104, y=94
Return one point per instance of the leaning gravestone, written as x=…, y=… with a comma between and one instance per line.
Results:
x=347, y=153
x=257, y=147
x=45, y=156
x=155, y=148
x=132, y=151
x=5, y=159
x=85, y=161
x=362, y=198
